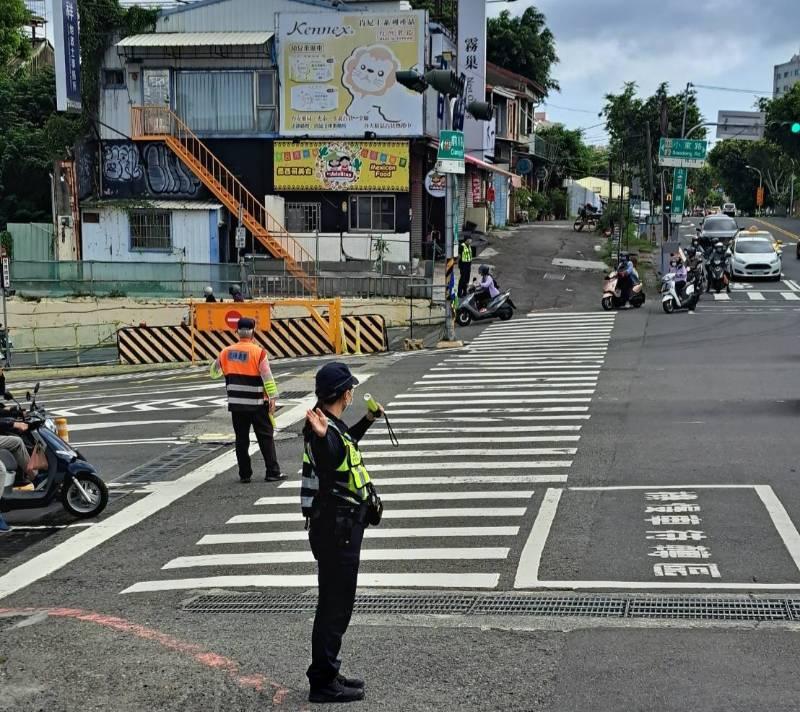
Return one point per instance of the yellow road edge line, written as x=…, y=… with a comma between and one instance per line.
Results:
x=792, y=235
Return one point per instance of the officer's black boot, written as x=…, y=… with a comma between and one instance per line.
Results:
x=335, y=691
x=356, y=682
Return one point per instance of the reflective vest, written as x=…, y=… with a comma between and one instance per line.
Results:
x=466, y=252
x=241, y=365
x=350, y=483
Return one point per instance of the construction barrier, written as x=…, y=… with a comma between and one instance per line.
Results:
x=286, y=338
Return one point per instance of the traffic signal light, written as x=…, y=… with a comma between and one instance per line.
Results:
x=796, y=127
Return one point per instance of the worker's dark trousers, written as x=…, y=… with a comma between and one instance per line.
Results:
x=463, y=283
x=258, y=419
x=338, y=575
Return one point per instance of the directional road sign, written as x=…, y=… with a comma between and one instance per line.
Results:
x=682, y=152
x=741, y=125
x=450, y=158
x=678, y=191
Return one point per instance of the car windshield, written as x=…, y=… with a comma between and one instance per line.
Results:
x=719, y=224
x=751, y=247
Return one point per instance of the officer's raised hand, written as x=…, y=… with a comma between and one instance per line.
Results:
x=318, y=422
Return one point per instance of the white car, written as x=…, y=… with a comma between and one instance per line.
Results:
x=729, y=209
x=755, y=257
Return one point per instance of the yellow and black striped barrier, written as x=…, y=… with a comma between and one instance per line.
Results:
x=286, y=338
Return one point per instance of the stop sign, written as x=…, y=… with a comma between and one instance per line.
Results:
x=232, y=319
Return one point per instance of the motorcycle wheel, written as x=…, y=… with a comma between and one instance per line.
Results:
x=577, y=226
x=463, y=318
x=505, y=313
x=73, y=500
x=669, y=306
x=608, y=303
x=637, y=303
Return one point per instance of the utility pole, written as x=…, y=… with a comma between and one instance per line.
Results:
x=449, y=239
x=651, y=187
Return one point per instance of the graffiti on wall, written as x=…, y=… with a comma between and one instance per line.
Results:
x=130, y=170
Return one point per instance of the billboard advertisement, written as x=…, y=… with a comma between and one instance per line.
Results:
x=337, y=73
x=342, y=165
x=67, y=51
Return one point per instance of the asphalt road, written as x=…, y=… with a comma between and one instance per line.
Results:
x=566, y=451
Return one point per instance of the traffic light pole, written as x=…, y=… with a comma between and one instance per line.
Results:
x=449, y=241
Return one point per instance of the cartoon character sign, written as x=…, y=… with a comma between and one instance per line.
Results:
x=336, y=168
x=369, y=75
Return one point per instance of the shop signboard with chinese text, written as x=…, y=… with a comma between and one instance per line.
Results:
x=472, y=62
x=342, y=165
x=66, y=38
x=338, y=72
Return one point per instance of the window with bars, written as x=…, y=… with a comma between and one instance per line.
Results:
x=372, y=213
x=151, y=230
x=303, y=217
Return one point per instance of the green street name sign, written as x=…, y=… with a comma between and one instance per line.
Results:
x=450, y=158
x=682, y=152
x=678, y=191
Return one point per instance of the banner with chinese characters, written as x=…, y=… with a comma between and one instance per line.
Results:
x=66, y=42
x=472, y=63
x=342, y=165
x=338, y=70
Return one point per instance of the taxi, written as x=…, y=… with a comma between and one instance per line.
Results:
x=756, y=253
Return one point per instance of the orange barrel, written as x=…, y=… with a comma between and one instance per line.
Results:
x=61, y=429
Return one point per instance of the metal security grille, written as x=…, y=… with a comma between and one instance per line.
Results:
x=151, y=230
x=631, y=607
x=303, y=217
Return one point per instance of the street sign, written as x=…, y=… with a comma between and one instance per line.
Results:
x=678, y=191
x=741, y=125
x=759, y=203
x=6, y=275
x=682, y=152
x=220, y=316
x=241, y=238
x=450, y=158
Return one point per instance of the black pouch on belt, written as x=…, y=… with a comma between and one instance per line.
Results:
x=374, y=506
x=343, y=528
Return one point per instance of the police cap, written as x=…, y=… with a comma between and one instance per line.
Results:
x=333, y=379
x=246, y=323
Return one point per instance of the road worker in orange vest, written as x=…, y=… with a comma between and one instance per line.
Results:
x=252, y=395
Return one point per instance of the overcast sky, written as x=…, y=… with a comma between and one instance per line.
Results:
x=602, y=44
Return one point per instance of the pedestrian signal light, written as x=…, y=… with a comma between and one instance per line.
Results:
x=796, y=127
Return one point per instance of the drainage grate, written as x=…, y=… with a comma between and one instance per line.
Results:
x=292, y=395
x=166, y=465
x=634, y=607
x=555, y=276
x=598, y=606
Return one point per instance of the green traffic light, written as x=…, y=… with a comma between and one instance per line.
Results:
x=796, y=127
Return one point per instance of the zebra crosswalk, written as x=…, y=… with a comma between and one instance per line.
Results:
x=480, y=433
x=752, y=297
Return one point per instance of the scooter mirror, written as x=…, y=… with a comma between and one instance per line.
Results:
x=8, y=396
x=28, y=395
x=36, y=388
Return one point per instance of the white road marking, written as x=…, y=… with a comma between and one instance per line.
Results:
x=756, y=296
x=457, y=441
x=531, y=558
x=433, y=396
x=306, y=557
x=291, y=499
x=479, y=385
x=477, y=479
x=503, y=401
x=365, y=580
x=502, y=372
x=486, y=429
x=370, y=533
x=505, y=465
x=470, y=452
x=122, y=424
x=790, y=296
x=117, y=443
x=444, y=513
x=721, y=297
x=782, y=521
x=487, y=414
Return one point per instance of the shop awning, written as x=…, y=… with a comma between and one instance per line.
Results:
x=516, y=180
x=196, y=39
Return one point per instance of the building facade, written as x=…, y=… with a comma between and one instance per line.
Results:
x=785, y=76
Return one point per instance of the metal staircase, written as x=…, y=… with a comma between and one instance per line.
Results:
x=156, y=123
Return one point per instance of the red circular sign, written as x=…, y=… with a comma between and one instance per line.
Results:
x=232, y=319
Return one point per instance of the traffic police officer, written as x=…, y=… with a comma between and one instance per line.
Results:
x=247, y=379
x=337, y=498
x=465, y=266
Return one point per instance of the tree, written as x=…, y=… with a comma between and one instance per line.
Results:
x=729, y=161
x=781, y=111
x=13, y=42
x=702, y=182
x=568, y=155
x=524, y=45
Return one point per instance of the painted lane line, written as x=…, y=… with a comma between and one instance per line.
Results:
x=433, y=379
x=790, y=296
x=163, y=495
x=782, y=521
x=471, y=452
x=489, y=429
x=370, y=533
x=570, y=392
x=505, y=384
x=444, y=513
x=122, y=424
x=118, y=443
x=365, y=580
x=447, y=375
x=528, y=567
x=488, y=415
x=666, y=586
x=306, y=557
x=560, y=315
x=291, y=500
x=458, y=480
x=458, y=441
x=505, y=465
x=756, y=296
x=564, y=339
x=622, y=488
x=503, y=401
x=537, y=357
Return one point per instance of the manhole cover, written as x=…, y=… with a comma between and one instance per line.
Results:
x=167, y=464
x=554, y=276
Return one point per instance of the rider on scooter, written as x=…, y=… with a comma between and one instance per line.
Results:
x=486, y=289
x=720, y=252
x=677, y=268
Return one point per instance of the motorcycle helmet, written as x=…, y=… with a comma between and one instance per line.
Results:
x=691, y=251
x=483, y=269
x=208, y=291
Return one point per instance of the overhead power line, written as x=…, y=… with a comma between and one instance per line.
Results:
x=732, y=89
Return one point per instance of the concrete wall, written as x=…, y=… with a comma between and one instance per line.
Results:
x=194, y=238
x=356, y=245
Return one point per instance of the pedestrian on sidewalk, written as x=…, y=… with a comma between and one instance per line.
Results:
x=338, y=501
x=464, y=265
x=252, y=396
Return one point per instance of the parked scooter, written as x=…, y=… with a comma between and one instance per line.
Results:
x=672, y=301
x=617, y=291
x=69, y=477
x=501, y=307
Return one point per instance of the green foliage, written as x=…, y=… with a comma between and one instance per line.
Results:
x=523, y=44
x=558, y=203
x=782, y=109
x=539, y=204
x=522, y=198
x=7, y=242
x=570, y=156
x=13, y=42
x=442, y=11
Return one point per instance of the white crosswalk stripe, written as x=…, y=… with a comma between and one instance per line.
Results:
x=480, y=439
x=750, y=297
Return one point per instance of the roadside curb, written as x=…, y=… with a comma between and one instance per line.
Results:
x=45, y=373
